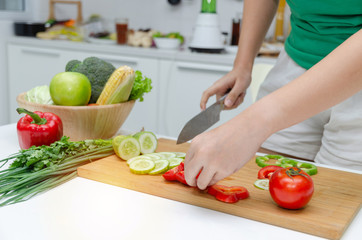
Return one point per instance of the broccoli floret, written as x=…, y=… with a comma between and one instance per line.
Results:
x=72, y=64
x=97, y=71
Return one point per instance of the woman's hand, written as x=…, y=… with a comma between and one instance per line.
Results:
x=222, y=151
x=237, y=81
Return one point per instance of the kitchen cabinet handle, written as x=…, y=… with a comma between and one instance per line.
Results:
x=203, y=67
x=49, y=53
x=124, y=60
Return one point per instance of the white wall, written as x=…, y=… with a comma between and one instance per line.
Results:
x=156, y=14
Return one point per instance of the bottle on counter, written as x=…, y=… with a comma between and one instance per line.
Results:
x=236, y=26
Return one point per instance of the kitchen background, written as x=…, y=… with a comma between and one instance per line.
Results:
x=155, y=14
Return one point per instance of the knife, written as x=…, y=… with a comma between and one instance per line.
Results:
x=201, y=121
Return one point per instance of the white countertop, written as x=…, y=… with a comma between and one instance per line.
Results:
x=184, y=54
x=85, y=209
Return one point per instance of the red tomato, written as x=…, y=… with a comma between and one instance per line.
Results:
x=267, y=171
x=228, y=194
x=291, y=188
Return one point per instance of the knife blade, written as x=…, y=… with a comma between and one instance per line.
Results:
x=201, y=121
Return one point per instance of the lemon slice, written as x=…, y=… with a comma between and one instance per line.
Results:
x=262, y=184
x=137, y=158
x=174, y=162
x=142, y=166
x=161, y=166
x=126, y=147
x=147, y=140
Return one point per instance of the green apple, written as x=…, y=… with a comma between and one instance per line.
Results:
x=70, y=89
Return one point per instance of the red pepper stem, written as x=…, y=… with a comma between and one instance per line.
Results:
x=37, y=119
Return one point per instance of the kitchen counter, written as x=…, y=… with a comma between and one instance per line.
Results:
x=85, y=209
x=183, y=54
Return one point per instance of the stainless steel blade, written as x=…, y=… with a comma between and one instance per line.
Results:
x=201, y=121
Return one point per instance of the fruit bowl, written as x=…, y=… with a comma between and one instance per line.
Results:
x=85, y=122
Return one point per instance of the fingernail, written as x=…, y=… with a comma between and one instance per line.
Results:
x=228, y=103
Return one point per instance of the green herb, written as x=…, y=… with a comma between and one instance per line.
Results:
x=38, y=169
x=141, y=86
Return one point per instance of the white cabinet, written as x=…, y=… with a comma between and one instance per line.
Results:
x=29, y=67
x=182, y=87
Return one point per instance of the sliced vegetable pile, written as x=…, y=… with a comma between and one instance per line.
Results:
x=41, y=168
x=288, y=181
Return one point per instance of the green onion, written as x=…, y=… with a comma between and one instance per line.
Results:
x=39, y=169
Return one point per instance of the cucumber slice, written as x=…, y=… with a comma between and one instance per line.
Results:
x=174, y=162
x=142, y=166
x=127, y=147
x=147, y=140
x=161, y=166
x=116, y=142
x=153, y=156
x=180, y=154
x=262, y=184
x=166, y=155
x=136, y=158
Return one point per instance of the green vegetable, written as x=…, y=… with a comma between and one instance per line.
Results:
x=141, y=86
x=147, y=140
x=39, y=94
x=263, y=161
x=38, y=169
x=97, y=71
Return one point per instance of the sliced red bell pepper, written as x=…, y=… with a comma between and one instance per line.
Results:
x=38, y=128
x=267, y=171
x=180, y=176
x=170, y=175
x=228, y=194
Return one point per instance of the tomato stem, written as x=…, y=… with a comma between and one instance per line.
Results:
x=292, y=172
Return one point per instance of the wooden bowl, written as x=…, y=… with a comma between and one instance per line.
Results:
x=85, y=122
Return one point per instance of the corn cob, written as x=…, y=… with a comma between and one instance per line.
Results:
x=118, y=87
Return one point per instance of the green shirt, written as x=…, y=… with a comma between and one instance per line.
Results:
x=319, y=26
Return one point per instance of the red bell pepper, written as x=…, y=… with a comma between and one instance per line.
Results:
x=38, y=128
x=267, y=171
x=228, y=194
x=170, y=175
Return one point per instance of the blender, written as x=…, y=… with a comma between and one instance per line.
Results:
x=207, y=35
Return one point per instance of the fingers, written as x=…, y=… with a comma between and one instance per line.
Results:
x=234, y=95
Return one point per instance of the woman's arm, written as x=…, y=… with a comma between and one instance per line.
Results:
x=257, y=17
x=224, y=150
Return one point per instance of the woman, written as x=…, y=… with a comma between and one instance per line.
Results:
x=316, y=86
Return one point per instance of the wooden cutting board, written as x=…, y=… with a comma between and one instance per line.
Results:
x=336, y=200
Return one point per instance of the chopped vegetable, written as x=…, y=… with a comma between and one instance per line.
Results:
x=38, y=169
x=38, y=128
x=262, y=184
x=40, y=95
x=278, y=160
x=267, y=171
x=170, y=175
x=142, y=166
x=147, y=140
x=174, y=162
x=263, y=161
x=126, y=147
x=97, y=71
x=161, y=166
x=228, y=194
